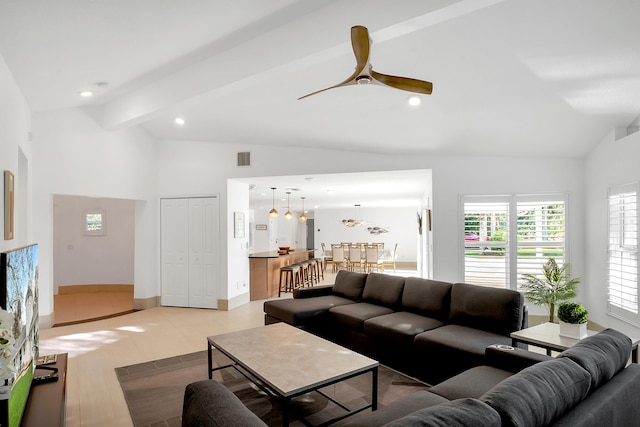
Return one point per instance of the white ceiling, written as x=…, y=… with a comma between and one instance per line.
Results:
x=511, y=78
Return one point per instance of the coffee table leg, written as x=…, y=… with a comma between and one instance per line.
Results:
x=210, y=362
x=374, y=389
x=285, y=412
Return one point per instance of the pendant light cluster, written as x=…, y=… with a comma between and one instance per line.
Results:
x=273, y=213
x=288, y=215
x=353, y=222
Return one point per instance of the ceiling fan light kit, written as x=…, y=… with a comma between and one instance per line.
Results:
x=365, y=74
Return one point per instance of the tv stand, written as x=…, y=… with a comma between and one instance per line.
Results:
x=47, y=401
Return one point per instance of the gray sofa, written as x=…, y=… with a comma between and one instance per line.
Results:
x=588, y=385
x=425, y=328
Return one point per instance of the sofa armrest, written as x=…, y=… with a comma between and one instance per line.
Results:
x=511, y=359
x=209, y=403
x=316, y=291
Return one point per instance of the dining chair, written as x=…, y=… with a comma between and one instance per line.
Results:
x=372, y=260
x=391, y=259
x=355, y=258
x=338, y=259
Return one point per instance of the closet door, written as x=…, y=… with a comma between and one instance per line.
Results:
x=174, y=246
x=204, y=255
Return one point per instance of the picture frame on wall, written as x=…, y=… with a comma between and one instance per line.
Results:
x=238, y=225
x=9, y=204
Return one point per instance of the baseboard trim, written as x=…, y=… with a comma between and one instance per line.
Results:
x=146, y=303
x=235, y=302
x=77, y=289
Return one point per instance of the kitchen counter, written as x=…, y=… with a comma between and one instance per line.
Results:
x=264, y=271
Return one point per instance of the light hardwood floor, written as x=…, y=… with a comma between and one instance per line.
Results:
x=95, y=349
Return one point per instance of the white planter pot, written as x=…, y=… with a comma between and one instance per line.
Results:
x=570, y=330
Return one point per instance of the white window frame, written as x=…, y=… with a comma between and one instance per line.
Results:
x=511, y=244
x=628, y=249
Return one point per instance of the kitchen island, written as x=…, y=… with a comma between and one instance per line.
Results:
x=264, y=271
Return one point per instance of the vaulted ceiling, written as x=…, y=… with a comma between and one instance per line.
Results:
x=511, y=78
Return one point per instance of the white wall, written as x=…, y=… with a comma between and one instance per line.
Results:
x=401, y=222
x=74, y=155
x=610, y=163
x=82, y=259
x=188, y=167
x=238, y=247
x=15, y=156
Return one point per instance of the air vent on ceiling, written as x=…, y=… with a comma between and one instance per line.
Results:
x=244, y=158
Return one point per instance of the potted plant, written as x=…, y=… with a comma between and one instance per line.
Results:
x=573, y=320
x=554, y=286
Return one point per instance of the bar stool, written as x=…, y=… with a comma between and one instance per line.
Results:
x=319, y=268
x=307, y=272
x=292, y=278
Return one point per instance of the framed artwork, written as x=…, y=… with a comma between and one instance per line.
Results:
x=261, y=226
x=238, y=225
x=9, y=204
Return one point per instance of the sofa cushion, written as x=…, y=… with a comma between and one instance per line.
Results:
x=352, y=316
x=396, y=409
x=383, y=289
x=427, y=297
x=210, y=404
x=473, y=382
x=446, y=351
x=537, y=395
x=490, y=309
x=399, y=326
x=458, y=413
x=304, y=311
x=614, y=404
x=603, y=355
x=349, y=284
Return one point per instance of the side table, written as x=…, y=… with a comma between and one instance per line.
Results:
x=547, y=336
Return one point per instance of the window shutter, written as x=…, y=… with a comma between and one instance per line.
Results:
x=540, y=228
x=623, y=252
x=486, y=249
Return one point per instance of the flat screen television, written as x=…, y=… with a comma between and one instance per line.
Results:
x=19, y=296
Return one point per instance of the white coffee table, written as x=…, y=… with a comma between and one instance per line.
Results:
x=287, y=362
x=547, y=336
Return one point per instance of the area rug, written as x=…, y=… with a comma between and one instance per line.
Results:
x=154, y=391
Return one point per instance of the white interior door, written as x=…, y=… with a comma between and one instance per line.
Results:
x=174, y=245
x=190, y=252
x=204, y=268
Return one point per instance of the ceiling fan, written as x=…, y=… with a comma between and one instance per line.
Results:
x=364, y=73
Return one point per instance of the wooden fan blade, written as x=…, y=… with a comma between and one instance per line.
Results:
x=348, y=82
x=361, y=46
x=404, y=83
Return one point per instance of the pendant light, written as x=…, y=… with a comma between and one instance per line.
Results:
x=288, y=215
x=303, y=217
x=273, y=212
x=353, y=222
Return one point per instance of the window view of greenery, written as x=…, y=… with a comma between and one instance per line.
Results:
x=94, y=222
x=507, y=238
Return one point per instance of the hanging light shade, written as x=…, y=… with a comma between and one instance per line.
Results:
x=273, y=212
x=288, y=215
x=353, y=222
x=302, y=217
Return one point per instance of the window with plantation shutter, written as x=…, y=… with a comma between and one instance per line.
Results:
x=622, y=274
x=508, y=236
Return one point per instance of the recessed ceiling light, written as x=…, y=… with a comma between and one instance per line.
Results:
x=85, y=93
x=414, y=100
x=179, y=121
